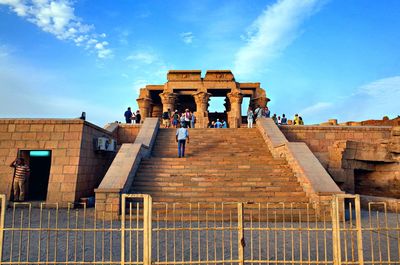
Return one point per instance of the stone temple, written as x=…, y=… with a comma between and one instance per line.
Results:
x=267, y=163
x=188, y=89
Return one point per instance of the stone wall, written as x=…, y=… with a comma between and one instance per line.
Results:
x=74, y=166
x=92, y=165
x=320, y=138
x=127, y=133
x=384, y=181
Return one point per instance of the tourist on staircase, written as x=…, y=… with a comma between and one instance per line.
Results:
x=192, y=120
x=267, y=112
x=166, y=118
x=181, y=135
x=187, y=118
x=250, y=118
x=224, y=124
x=218, y=124
x=258, y=112
x=175, y=119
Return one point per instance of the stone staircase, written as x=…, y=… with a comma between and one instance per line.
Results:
x=220, y=165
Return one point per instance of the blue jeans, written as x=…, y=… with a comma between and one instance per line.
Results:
x=181, y=148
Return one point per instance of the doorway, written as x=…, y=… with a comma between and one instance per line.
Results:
x=39, y=162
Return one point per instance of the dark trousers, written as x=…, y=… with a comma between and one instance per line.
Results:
x=181, y=148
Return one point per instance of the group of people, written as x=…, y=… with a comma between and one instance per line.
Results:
x=186, y=119
x=265, y=112
x=256, y=114
x=132, y=117
x=218, y=124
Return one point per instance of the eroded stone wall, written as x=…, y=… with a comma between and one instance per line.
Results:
x=320, y=138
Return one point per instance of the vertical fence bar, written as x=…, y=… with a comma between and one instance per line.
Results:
x=147, y=218
x=2, y=217
x=123, y=206
x=359, y=231
x=337, y=258
x=241, y=243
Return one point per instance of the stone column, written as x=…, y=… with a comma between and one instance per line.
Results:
x=144, y=107
x=168, y=101
x=235, y=114
x=201, y=99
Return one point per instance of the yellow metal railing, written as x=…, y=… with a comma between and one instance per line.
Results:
x=200, y=233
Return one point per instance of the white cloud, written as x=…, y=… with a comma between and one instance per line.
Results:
x=143, y=57
x=274, y=30
x=58, y=19
x=384, y=88
x=316, y=108
x=187, y=37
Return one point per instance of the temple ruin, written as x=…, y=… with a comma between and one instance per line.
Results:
x=188, y=89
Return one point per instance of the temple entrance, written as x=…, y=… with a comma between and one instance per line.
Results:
x=219, y=105
x=185, y=102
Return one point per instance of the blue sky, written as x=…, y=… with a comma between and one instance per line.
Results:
x=322, y=59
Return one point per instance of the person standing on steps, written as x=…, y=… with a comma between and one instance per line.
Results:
x=166, y=118
x=258, y=112
x=182, y=134
x=250, y=118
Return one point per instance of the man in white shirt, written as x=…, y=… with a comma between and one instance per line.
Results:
x=181, y=135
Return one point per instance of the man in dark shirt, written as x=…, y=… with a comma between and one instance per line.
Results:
x=128, y=115
x=21, y=174
x=138, y=117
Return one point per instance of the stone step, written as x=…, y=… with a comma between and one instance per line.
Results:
x=218, y=187
x=179, y=198
x=229, y=180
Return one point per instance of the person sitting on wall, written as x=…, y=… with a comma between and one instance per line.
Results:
x=128, y=115
x=274, y=118
x=301, y=122
x=284, y=120
x=296, y=120
x=21, y=175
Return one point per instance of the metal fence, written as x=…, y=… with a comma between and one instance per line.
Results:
x=200, y=233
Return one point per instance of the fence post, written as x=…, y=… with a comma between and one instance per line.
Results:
x=2, y=217
x=241, y=242
x=123, y=214
x=337, y=260
x=147, y=229
x=360, y=248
